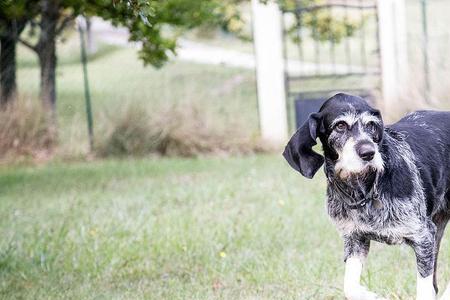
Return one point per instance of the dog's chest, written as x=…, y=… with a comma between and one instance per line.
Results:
x=382, y=224
x=387, y=233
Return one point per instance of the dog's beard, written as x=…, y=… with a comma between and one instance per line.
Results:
x=358, y=182
x=352, y=175
x=351, y=178
x=360, y=175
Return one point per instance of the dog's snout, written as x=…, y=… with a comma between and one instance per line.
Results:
x=366, y=151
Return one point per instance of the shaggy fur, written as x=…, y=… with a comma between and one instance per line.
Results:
x=406, y=182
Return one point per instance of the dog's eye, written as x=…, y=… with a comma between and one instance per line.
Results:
x=371, y=127
x=341, y=126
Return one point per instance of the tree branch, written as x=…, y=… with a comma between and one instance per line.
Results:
x=28, y=45
x=64, y=23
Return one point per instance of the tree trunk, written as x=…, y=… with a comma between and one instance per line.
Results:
x=8, y=66
x=47, y=62
x=46, y=50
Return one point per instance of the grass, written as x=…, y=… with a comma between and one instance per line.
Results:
x=117, y=77
x=211, y=228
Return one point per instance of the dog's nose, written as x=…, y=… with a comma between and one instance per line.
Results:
x=366, y=151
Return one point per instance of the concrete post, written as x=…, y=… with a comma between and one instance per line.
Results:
x=268, y=41
x=393, y=51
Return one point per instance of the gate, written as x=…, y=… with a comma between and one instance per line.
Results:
x=329, y=48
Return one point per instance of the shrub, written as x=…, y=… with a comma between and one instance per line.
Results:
x=179, y=130
x=24, y=129
x=129, y=132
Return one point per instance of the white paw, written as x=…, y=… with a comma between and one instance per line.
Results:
x=360, y=293
x=426, y=296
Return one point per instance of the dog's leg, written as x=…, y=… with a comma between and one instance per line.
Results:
x=353, y=290
x=425, y=288
x=356, y=250
x=423, y=244
x=440, y=220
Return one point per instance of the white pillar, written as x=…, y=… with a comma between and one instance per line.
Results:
x=393, y=50
x=267, y=36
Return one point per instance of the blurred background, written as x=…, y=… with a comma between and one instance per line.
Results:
x=140, y=142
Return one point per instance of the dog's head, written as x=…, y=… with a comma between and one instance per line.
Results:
x=350, y=132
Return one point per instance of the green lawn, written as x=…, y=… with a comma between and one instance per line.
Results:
x=210, y=228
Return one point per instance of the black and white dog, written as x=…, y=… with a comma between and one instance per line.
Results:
x=385, y=183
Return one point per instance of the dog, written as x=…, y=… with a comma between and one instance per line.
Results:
x=388, y=184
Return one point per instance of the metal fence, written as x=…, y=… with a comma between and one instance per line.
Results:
x=428, y=45
x=329, y=47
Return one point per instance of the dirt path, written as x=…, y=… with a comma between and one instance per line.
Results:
x=206, y=54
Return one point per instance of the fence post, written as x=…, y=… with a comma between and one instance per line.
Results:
x=87, y=93
x=426, y=60
x=268, y=45
x=393, y=51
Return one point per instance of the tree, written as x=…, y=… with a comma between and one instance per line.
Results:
x=14, y=16
x=145, y=20
x=8, y=42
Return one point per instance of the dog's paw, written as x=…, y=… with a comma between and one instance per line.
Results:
x=361, y=293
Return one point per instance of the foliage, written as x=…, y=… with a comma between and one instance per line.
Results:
x=226, y=14
x=16, y=14
x=156, y=24
x=321, y=22
x=178, y=130
x=15, y=10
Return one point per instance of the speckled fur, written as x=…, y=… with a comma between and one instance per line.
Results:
x=413, y=183
x=393, y=221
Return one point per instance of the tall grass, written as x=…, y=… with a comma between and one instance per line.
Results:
x=25, y=130
x=118, y=77
x=174, y=130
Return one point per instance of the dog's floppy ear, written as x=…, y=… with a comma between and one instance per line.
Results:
x=299, y=153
